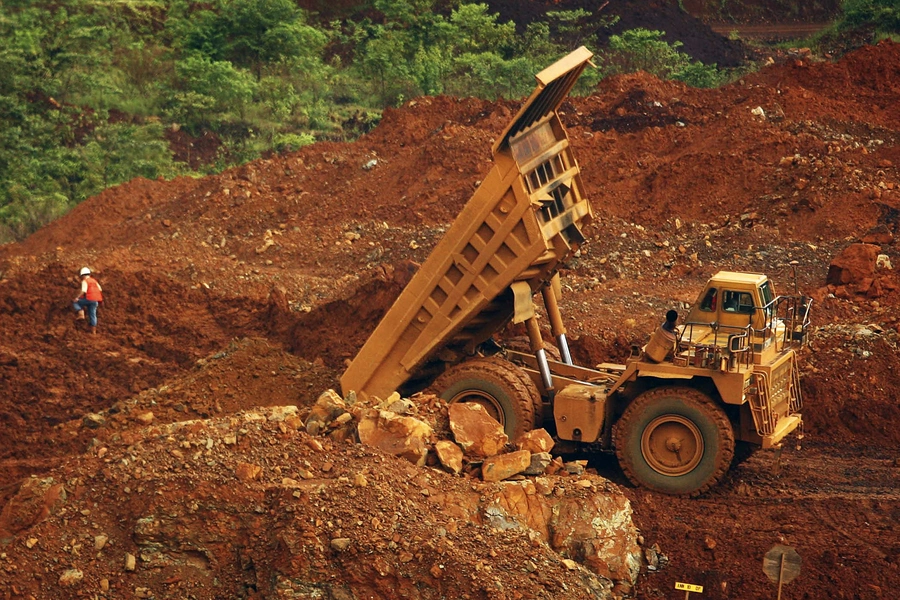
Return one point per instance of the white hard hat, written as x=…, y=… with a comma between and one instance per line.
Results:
x=84, y=271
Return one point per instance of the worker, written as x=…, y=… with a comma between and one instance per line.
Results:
x=89, y=299
x=662, y=341
x=671, y=318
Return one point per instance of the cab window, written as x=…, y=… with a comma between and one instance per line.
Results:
x=710, y=301
x=737, y=302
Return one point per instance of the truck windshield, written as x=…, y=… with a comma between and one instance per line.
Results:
x=766, y=297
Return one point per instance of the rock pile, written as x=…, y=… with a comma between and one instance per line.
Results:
x=253, y=501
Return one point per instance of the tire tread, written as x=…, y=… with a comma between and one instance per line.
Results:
x=693, y=398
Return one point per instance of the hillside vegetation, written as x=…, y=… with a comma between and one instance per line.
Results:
x=94, y=93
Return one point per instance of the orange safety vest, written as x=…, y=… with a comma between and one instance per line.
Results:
x=93, y=290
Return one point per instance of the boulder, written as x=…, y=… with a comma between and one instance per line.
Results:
x=328, y=407
x=144, y=418
x=592, y=525
x=476, y=432
x=450, y=455
x=855, y=265
x=524, y=502
x=539, y=463
x=71, y=578
x=401, y=406
x=535, y=441
x=395, y=434
x=503, y=466
x=36, y=500
x=280, y=414
x=247, y=472
x=93, y=421
x=596, y=528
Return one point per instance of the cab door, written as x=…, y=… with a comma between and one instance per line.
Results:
x=738, y=308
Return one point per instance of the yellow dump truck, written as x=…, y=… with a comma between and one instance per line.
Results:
x=673, y=413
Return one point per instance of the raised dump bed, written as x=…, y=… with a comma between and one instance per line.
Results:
x=521, y=223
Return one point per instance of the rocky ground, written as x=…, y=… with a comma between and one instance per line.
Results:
x=232, y=295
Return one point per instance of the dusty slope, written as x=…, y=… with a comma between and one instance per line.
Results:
x=302, y=253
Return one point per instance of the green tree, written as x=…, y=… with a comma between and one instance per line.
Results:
x=254, y=33
x=35, y=169
x=476, y=30
x=574, y=28
x=885, y=14
x=381, y=59
x=699, y=75
x=536, y=44
x=209, y=90
x=118, y=152
x=882, y=15
x=419, y=51
x=488, y=75
x=644, y=50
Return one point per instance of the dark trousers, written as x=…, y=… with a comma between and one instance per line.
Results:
x=90, y=306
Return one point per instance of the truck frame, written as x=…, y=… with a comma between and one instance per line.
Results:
x=673, y=413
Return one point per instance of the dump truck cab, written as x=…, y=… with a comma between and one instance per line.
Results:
x=733, y=301
x=740, y=312
x=739, y=342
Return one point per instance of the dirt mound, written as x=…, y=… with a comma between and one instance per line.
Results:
x=112, y=218
x=51, y=371
x=314, y=334
x=252, y=287
x=866, y=78
x=247, y=506
x=760, y=151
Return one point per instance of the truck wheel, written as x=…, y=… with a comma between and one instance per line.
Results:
x=674, y=440
x=502, y=388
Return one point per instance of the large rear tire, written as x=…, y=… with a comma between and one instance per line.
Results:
x=674, y=440
x=505, y=391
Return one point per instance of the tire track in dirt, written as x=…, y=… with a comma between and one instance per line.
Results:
x=837, y=505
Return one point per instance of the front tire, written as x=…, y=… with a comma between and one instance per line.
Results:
x=674, y=440
x=505, y=391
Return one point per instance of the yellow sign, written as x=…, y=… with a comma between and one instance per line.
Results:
x=688, y=587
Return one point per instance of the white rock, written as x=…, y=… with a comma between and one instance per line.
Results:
x=71, y=577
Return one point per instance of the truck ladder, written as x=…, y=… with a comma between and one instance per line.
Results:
x=763, y=415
